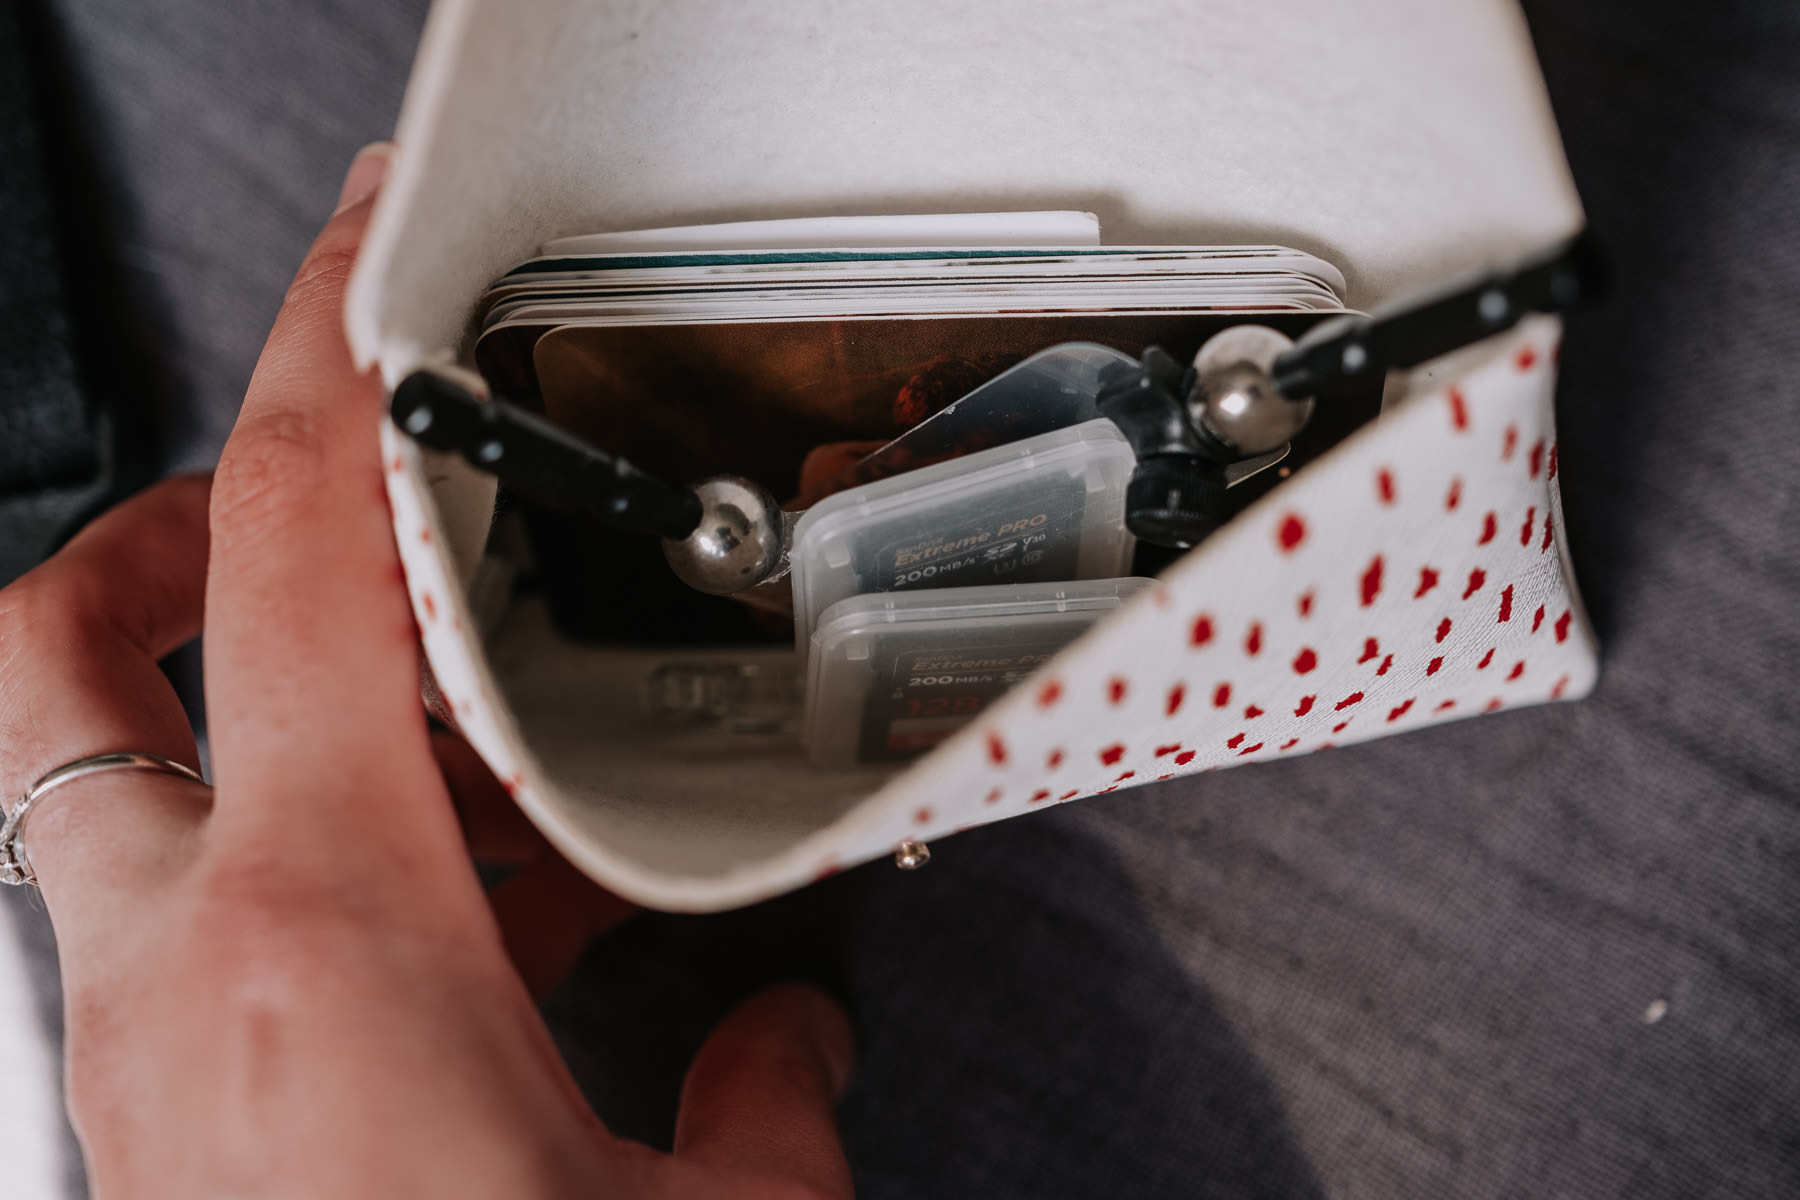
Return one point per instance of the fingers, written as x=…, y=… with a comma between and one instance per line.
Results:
x=761, y=1095
x=367, y=171
x=80, y=637
x=311, y=665
x=79, y=642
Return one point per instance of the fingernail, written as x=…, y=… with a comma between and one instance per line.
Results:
x=366, y=173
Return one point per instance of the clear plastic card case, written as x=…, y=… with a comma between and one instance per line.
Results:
x=1048, y=508
x=892, y=675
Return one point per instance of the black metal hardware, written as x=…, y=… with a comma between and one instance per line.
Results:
x=539, y=460
x=1347, y=350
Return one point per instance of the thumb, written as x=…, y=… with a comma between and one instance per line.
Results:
x=367, y=171
x=761, y=1096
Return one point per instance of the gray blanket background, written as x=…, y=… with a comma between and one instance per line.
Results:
x=1419, y=968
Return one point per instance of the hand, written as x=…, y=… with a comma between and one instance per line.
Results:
x=292, y=983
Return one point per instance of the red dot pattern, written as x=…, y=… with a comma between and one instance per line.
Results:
x=1380, y=668
x=1371, y=581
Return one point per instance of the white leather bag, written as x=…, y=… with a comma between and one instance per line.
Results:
x=1414, y=574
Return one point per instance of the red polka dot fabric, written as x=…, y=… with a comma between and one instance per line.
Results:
x=1414, y=575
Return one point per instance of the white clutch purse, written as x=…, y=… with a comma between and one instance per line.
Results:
x=1413, y=574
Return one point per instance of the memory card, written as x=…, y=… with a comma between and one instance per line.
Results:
x=1049, y=508
x=891, y=676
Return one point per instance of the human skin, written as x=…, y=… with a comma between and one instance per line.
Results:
x=292, y=983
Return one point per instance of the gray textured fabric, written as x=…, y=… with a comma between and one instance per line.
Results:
x=1417, y=968
x=200, y=147
x=52, y=453
x=44, y=433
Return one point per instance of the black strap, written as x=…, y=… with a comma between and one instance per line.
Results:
x=540, y=460
x=1174, y=498
x=1345, y=351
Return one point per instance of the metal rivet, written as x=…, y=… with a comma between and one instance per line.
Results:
x=738, y=541
x=419, y=420
x=911, y=855
x=489, y=451
x=1356, y=357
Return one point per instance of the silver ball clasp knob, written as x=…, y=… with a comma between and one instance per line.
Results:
x=1234, y=397
x=738, y=543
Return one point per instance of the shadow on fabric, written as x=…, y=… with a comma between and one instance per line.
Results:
x=1021, y=1032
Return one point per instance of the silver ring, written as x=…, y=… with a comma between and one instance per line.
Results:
x=15, y=867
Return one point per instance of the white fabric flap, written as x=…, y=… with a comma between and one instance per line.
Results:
x=1404, y=140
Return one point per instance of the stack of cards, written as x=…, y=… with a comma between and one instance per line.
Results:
x=691, y=363
x=636, y=289
x=796, y=352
